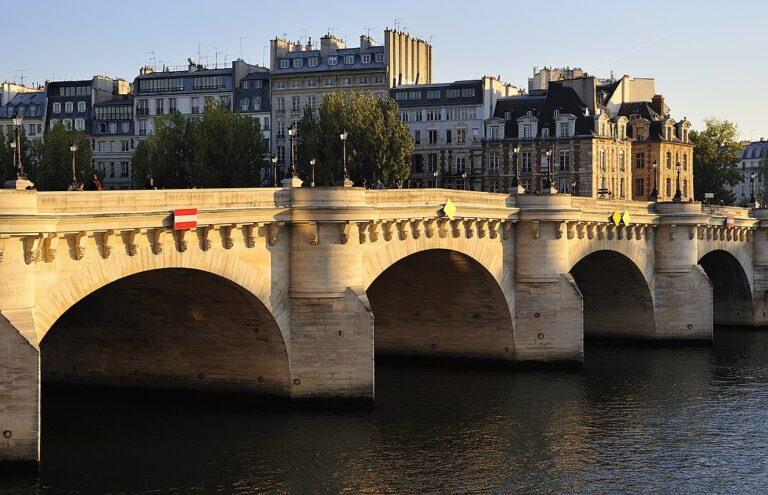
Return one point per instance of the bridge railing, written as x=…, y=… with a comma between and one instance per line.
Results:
x=610, y=205
x=725, y=211
x=384, y=197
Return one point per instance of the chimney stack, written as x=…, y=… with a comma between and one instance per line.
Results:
x=658, y=104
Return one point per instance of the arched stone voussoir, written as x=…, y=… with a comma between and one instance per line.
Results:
x=52, y=303
x=639, y=252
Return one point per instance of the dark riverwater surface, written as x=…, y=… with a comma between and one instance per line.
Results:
x=634, y=420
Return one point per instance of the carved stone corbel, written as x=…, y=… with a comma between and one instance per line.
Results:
x=590, y=231
x=429, y=227
x=314, y=233
x=742, y=234
x=469, y=227
x=77, y=239
x=639, y=230
x=345, y=229
x=362, y=227
x=442, y=227
x=456, y=227
x=611, y=231
x=620, y=232
x=493, y=229
x=701, y=230
x=248, y=234
x=386, y=228
x=130, y=241
x=182, y=243
x=630, y=230
x=535, y=229
x=32, y=248
x=104, y=241
x=729, y=234
x=749, y=235
x=481, y=228
x=673, y=231
x=570, y=229
x=722, y=234
x=3, y=241
x=272, y=232
x=205, y=237
x=49, y=253
x=708, y=232
x=402, y=229
x=416, y=226
x=691, y=232
x=506, y=228
x=157, y=245
x=373, y=231
x=225, y=231
x=559, y=227
x=600, y=231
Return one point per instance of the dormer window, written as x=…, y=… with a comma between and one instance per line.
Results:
x=529, y=113
x=285, y=63
x=379, y=58
x=507, y=115
x=349, y=59
x=332, y=60
x=312, y=62
x=545, y=132
x=297, y=63
x=634, y=116
x=556, y=113
x=365, y=58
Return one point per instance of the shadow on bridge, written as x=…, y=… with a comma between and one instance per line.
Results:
x=168, y=328
x=731, y=293
x=617, y=299
x=441, y=303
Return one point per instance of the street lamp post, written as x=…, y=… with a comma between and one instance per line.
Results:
x=655, y=193
x=464, y=181
x=548, y=186
x=436, y=173
x=752, y=199
x=678, y=195
x=516, y=177
x=74, y=185
x=18, y=162
x=291, y=134
x=343, y=136
x=274, y=169
x=573, y=187
x=312, y=164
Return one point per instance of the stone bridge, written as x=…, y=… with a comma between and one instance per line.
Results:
x=276, y=291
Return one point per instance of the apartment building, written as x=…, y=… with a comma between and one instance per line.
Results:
x=114, y=141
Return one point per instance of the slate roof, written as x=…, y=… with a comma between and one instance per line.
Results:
x=322, y=62
x=757, y=149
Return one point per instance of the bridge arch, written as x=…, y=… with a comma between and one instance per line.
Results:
x=170, y=328
x=441, y=302
x=86, y=277
x=638, y=252
x=618, y=300
x=731, y=288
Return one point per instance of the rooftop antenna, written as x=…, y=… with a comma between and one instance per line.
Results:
x=331, y=31
x=216, y=57
x=398, y=22
x=152, y=59
x=226, y=56
x=264, y=55
x=430, y=38
x=199, y=52
x=241, y=46
x=304, y=37
x=21, y=76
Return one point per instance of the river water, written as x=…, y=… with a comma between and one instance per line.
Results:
x=634, y=420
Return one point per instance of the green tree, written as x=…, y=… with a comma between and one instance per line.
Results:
x=53, y=168
x=223, y=149
x=379, y=145
x=28, y=150
x=715, y=160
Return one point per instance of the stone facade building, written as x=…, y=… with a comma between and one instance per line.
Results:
x=303, y=74
x=446, y=124
x=751, y=158
x=114, y=142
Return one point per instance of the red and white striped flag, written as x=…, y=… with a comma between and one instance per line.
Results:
x=185, y=218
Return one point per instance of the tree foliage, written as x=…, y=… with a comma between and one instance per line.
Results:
x=51, y=167
x=716, y=159
x=224, y=149
x=28, y=149
x=379, y=145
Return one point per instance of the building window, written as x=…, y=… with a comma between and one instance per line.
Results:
x=602, y=161
x=525, y=161
x=245, y=84
x=311, y=83
x=142, y=127
x=281, y=154
x=639, y=187
x=433, y=94
x=266, y=124
x=461, y=164
x=346, y=81
x=280, y=106
x=493, y=186
x=328, y=81
x=433, y=114
x=362, y=80
x=332, y=60
x=621, y=187
x=493, y=163
x=195, y=104
x=297, y=63
x=113, y=127
x=668, y=187
x=159, y=106
x=685, y=161
x=349, y=59
x=280, y=85
x=378, y=79
x=685, y=187
x=68, y=106
x=432, y=162
x=432, y=136
x=280, y=129
x=621, y=161
x=295, y=104
x=527, y=131
x=669, y=160
x=312, y=102
x=448, y=135
x=312, y=62
x=295, y=83
x=81, y=106
x=285, y=63
x=417, y=137
x=564, y=129
x=461, y=136
x=365, y=58
x=379, y=58
x=244, y=104
x=80, y=124
x=57, y=107
x=123, y=169
x=640, y=160
x=565, y=160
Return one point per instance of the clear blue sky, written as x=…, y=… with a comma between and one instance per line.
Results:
x=708, y=57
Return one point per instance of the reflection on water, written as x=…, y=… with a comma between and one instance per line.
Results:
x=635, y=420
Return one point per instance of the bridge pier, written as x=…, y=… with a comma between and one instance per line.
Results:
x=760, y=270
